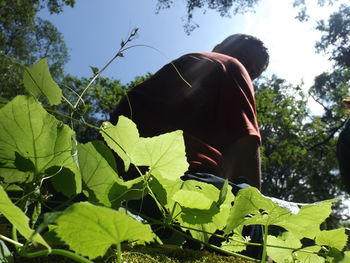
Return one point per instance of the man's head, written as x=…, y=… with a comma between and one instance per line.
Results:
x=249, y=50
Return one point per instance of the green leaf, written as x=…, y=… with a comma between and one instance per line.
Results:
x=281, y=255
x=164, y=154
x=121, y=138
x=38, y=81
x=32, y=141
x=346, y=258
x=251, y=207
x=306, y=223
x=98, y=166
x=90, y=230
x=97, y=174
x=18, y=219
x=333, y=238
x=235, y=244
x=189, y=199
x=5, y=254
x=309, y=255
x=223, y=192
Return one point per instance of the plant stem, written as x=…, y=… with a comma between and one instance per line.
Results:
x=60, y=252
x=263, y=257
x=16, y=243
x=119, y=253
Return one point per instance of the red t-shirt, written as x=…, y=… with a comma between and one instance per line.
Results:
x=216, y=110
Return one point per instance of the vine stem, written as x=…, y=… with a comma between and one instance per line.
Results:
x=16, y=243
x=263, y=257
x=119, y=253
x=118, y=54
x=60, y=252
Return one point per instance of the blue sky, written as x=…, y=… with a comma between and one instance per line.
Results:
x=93, y=31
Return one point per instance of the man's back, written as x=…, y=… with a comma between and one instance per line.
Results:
x=207, y=95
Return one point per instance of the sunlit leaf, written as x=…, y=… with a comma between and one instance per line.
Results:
x=307, y=222
x=102, y=228
x=235, y=244
x=309, y=255
x=18, y=219
x=38, y=81
x=251, y=207
x=282, y=255
x=121, y=138
x=336, y=238
x=164, y=154
x=98, y=167
x=34, y=142
x=191, y=199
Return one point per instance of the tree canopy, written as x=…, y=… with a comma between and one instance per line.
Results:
x=228, y=8
x=25, y=38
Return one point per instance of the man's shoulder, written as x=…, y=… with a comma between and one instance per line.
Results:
x=210, y=58
x=209, y=55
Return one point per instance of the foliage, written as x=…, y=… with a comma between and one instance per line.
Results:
x=299, y=161
x=232, y=7
x=25, y=38
x=223, y=7
x=335, y=39
x=298, y=152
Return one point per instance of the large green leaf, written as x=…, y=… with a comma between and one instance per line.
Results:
x=98, y=167
x=286, y=240
x=90, y=230
x=38, y=81
x=309, y=255
x=336, y=238
x=121, y=138
x=164, y=154
x=18, y=219
x=181, y=198
x=306, y=223
x=251, y=207
x=34, y=143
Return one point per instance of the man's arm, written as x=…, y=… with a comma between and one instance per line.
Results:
x=242, y=159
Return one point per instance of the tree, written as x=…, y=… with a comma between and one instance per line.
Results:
x=223, y=7
x=231, y=7
x=24, y=39
x=335, y=40
x=297, y=163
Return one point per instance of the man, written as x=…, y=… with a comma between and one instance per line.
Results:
x=343, y=151
x=210, y=96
